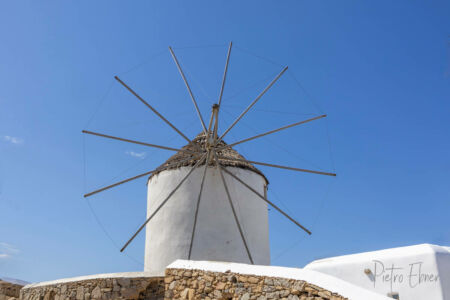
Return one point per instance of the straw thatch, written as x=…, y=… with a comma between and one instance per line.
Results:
x=198, y=144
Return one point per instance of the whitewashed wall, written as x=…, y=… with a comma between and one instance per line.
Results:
x=415, y=272
x=217, y=236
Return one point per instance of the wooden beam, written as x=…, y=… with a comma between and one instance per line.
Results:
x=152, y=109
x=253, y=103
x=265, y=199
x=188, y=88
x=278, y=166
x=164, y=202
x=136, y=142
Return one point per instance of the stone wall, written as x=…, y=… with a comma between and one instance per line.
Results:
x=197, y=284
x=9, y=291
x=149, y=288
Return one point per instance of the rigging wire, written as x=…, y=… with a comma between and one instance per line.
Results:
x=316, y=218
x=259, y=56
x=140, y=162
x=323, y=200
x=252, y=85
x=208, y=98
x=201, y=46
x=197, y=82
x=329, y=146
x=100, y=103
x=313, y=101
x=272, y=111
x=94, y=214
x=272, y=143
x=143, y=62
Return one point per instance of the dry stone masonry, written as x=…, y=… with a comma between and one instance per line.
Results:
x=9, y=291
x=150, y=288
x=200, y=280
x=198, y=284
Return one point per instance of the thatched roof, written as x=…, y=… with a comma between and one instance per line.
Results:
x=199, y=143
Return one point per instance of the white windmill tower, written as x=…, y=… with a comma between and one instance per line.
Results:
x=207, y=202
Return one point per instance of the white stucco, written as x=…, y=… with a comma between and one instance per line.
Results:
x=217, y=237
x=420, y=271
x=330, y=283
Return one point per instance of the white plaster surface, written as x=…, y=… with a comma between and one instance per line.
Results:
x=333, y=284
x=430, y=263
x=217, y=237
x=95, y=276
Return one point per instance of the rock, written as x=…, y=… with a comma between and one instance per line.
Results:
x=191, y=294
x=123, y=282
x=49, y=295
x=220, y=285
x=184, y=293
x=324, y=294
x=274, y=295
x=187, y=274
x=96, y=293
x=252, y=279
x=168, y=279
x=194, y=284
x=63, y=289
x=80, y=293
x=246, y=296
x=299, y=285
x=130, y=293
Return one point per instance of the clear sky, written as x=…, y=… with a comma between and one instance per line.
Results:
x=379, y=69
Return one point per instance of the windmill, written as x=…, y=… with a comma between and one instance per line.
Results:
x=207, y=202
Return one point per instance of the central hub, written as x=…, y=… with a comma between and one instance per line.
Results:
x=211, y=135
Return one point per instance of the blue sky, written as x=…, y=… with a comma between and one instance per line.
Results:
x=379, y=69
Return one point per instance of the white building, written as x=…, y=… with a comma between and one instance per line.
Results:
x=406, y=273
x=217, y=238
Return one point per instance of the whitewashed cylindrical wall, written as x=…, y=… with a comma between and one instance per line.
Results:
x=217, y=237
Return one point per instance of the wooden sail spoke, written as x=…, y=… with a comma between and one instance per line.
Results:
x=225, y=73
x=198, y=204
x=265, y=199
x=221, y=89
x=137, y=142
x=188, y=88
x=135, y=177
x=163, y=202
x=232, y=208
x=117, y=183
x=270, y=132
x=208, y=132
x=152, y=109
x=278, y=166
x=251, y=104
